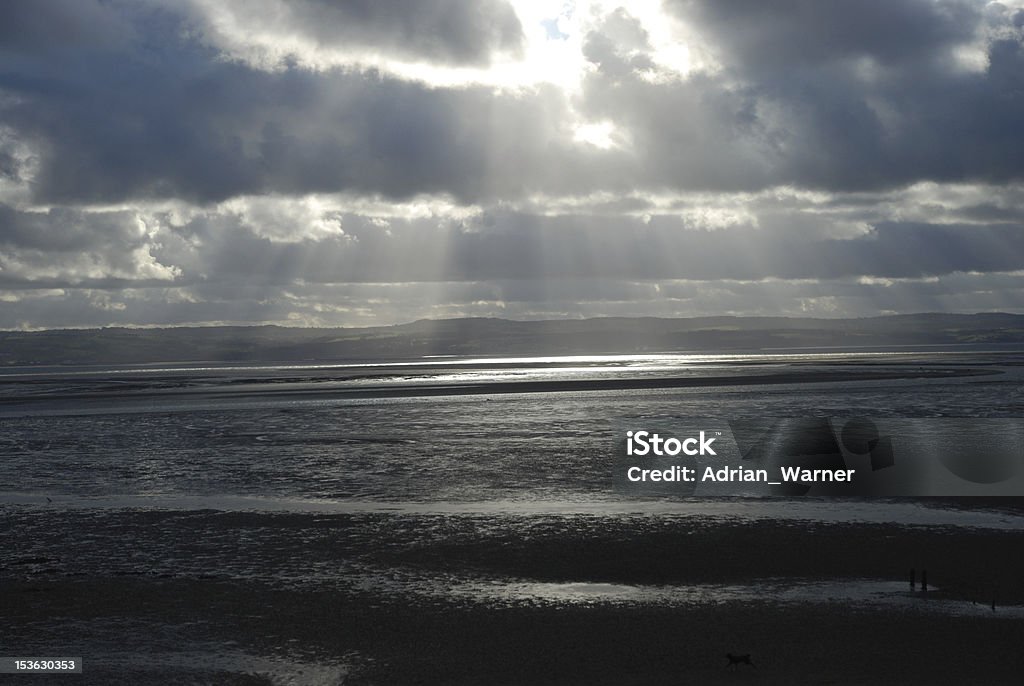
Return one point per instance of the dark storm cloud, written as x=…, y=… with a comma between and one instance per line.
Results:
x=232, y=131
x=447, y=31
x=9, y=166
x=159, y=113
x=52, y=25
x=990, y=212
x=829, y=95
x=176, y=122
x=762, y=36
x=65, y=230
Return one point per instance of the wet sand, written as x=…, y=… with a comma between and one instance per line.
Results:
x=177, y=631
x=252, y=598
x=125, y=389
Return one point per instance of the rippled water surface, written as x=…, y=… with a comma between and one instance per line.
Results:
x=129, y=432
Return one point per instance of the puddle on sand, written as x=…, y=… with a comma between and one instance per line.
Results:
x=865, y=594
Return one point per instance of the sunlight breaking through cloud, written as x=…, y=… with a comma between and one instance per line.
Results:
x=205, y=161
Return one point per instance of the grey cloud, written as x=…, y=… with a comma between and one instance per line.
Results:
x=784, y=35
x=619, y=46
x=447, y=31
x=796, y=104
x=90, y=308
x=195, y=128
x=693, y=135
x=9, y=166
x=175, y=120
x=355, y=304
x=991, y=212
x=63, y=247
x=65, y=230
x=120, y=103
x=60, y=25
x=510, y=246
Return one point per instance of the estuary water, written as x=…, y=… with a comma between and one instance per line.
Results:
x=435, y=430
x=445, y=484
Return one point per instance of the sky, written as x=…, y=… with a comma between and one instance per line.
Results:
x=373, y=162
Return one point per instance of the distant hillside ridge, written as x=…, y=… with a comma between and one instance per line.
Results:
x=487, y=336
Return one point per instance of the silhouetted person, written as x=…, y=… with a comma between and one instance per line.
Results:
x=913, y=578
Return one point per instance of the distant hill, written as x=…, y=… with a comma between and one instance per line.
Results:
x=478, y=336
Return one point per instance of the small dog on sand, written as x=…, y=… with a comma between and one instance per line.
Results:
x=736, y=660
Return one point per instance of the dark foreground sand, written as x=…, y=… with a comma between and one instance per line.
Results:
x=393, y=641
x=138, y=621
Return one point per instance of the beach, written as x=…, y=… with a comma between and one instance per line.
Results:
x=248, y=598
x=232, y=526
